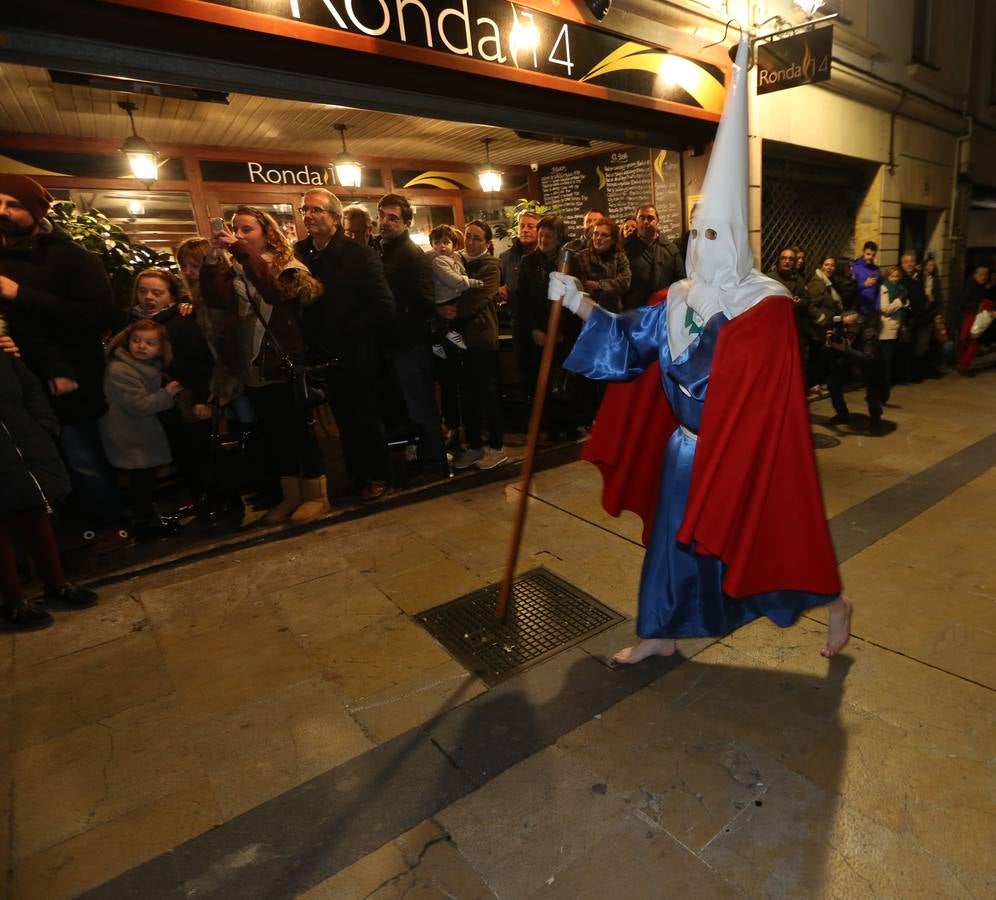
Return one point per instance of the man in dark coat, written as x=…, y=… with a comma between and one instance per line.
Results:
x=913, y=364
x=409, y=274
x=58, y=301
x=655, y=262
x=345, y=328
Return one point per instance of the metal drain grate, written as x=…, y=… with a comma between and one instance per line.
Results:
x=546, y=615
x=824, y=441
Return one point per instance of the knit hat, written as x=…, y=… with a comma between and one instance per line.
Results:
x=31, y=195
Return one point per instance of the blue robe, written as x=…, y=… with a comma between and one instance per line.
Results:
x=681, y=591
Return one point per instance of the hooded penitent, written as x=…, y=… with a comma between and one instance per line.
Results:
x=719, y=261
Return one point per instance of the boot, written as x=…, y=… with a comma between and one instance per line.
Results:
x=290, y=486
x=315, y=500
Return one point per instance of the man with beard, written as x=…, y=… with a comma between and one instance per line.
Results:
x=655, y=262
x=58, y=301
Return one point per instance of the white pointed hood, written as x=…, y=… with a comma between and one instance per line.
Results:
x=719, y=260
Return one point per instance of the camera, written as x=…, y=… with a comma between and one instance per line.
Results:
x=534, y=167
x=838, y=328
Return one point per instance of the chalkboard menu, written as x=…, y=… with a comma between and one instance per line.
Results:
x=617, y=182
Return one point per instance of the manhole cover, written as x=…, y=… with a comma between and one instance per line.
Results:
x=824, y=441
x=546, y=615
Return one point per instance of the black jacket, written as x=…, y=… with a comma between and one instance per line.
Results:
x=919, y=311
x=354, y=313
x=409, y=273
x=63, y=306
x=653, y=266
x=31, y=470
x=192, y=363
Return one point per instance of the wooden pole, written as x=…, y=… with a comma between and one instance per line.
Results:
x=539, y=401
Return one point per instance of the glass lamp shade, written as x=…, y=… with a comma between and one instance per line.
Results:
x=490, y=180
x=348, y=172
x=142, y=159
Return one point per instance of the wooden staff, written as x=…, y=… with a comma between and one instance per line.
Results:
x=539, y=401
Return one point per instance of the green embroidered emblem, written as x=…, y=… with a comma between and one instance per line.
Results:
x=690, y=324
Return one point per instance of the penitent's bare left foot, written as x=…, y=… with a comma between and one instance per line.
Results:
x=838, y=627
x=646, y=647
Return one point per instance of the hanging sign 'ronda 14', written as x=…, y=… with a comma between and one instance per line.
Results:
x=800, y=59
x=511, y=40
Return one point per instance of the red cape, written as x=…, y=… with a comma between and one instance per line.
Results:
x=755, y=498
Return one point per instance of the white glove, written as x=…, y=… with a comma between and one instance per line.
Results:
x=568, y=290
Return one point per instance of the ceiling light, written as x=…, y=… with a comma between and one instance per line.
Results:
x=490, y=177
x=142, y=159
x=348, y=172
x=809, y=7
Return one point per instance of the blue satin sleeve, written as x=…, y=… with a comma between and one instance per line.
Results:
x=618, y=347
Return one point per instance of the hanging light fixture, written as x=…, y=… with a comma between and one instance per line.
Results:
x=348, y=171
x=142, y=159
x=489, y=176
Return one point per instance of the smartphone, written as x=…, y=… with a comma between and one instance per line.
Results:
x=217, y=225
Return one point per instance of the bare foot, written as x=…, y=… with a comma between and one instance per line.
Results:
x=838, y=627
x=647, y=647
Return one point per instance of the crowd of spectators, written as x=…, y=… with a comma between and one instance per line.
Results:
x=356, y=315
x=880, y=326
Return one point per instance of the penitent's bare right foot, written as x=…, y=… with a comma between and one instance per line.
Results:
x=646, y=647
x=838, y=626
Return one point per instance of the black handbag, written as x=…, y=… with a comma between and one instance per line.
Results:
x=309, y=383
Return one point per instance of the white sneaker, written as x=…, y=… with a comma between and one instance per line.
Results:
x=439, y=350
x=467, y=458
x=492, y=458
x=456, y=339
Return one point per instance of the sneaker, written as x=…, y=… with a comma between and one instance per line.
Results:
x=839, y=419
x=25, y=618
x=160, y=526
x=111, y=540
x=439, y=350
x=374, y=491
x=492, y=457
x=456, y=339
x=71, y=595
x=468, y=458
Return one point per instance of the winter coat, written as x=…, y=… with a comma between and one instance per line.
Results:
x=866, y=301
x=63, y=307
x=892, y=302
x=610, y=270
x=652, y=266
x=131, y=432
x=243, y=347
x=793, y=281
x=477, y=308
x=511, y=263
x=31, y=469
x=535, y=305
x=193, y=362
x=410, y=277
x=355, y=312
x=820, y=302
x=449, y=278
x=920, y=313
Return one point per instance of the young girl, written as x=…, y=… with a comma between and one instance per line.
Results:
x=892, y=304
x=449, y=279
x=34, y=479
x=132, y=434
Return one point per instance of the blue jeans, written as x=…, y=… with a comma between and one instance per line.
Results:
x=91, y=473
x=414, y=368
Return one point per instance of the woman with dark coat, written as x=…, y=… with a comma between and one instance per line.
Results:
x=34, y=479
x=603, y=267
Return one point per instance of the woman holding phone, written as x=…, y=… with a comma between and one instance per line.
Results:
x=260, y=294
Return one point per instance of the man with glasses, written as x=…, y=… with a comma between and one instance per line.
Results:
x=409, y=273
x=344, y=328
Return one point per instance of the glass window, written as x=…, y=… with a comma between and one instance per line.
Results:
x=159, y=219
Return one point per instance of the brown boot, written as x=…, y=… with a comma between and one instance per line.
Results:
x=315, y=500
x=290, y=487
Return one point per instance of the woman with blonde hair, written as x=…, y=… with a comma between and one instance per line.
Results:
x=261, y=294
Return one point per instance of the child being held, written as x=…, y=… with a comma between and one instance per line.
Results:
x=131, y=432
x=449, y=279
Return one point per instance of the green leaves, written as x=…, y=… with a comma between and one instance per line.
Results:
x=123, y=259
x=511, y=223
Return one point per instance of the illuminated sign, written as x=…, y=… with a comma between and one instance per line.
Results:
x=497, y=34
x=800, y=59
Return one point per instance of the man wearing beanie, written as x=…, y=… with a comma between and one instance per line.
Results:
x=57, y=300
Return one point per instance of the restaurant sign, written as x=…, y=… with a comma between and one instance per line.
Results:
x=800, y=59
x=468, y=33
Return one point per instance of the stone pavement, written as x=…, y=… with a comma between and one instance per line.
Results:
x=272, y=723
